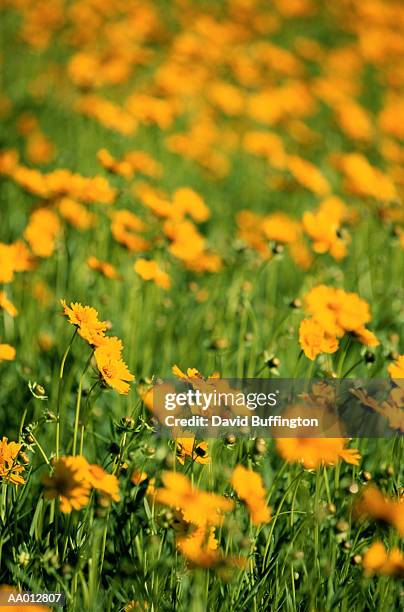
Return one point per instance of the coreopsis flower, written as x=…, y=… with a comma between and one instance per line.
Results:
x=373, y=504
x=42, y=231
x=106, y=484
x=113, y=370
x=378, y=560
x=308, y=175
x=113, y=165
x=325, y=233
x=7, y=267
x=108, y=114
x=39, y=149
x=339, y=311
x=150, y=270
x=188, y=447
x=315, y=452
x=125, y=229
x=396, y=370
x=314, y=340
x=366, y=180
x=85, y=318
x=197, y=507
x=250, y=488
x=104, y=267
x=186, y=200
x=69, y=483
x=200, y=547
x=7, y=305
x=10, y=468
x=7, y=352
x=142, y=162
x=76, y=214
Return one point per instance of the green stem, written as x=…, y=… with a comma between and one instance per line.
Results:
x=78, y=402
x=59, y=401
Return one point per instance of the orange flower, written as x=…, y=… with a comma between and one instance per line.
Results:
x=125, y=226
x=114, y=371
x=200, y=547
x=7, y=305
x=86, y=320
x=338, y=311
x=250, y=488
x=76, y=214
x=373, y=504
x=150, y=270
x=314, y=452
x=69, y=482
x=198, y=507
x=308, y=175
x=378, y=560
x=324, y=231
x=106, y=268
x=42, y=231
x=10, y=469
x=7, y=352
x=106, y=484
x=314, y=340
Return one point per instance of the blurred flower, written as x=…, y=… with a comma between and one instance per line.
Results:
x=7, y=352
x=314, y=452
x=104, y=267
x=373, y=504
x=7, y=305
x=198, y=507
x=150, y=270
x=69, y=483
x=250, y=488
x=106, y=484
x=378, y=560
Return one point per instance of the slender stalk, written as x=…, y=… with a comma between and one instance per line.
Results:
x=59, y=401
x=78, y=403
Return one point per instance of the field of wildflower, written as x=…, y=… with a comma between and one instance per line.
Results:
x=196, y=189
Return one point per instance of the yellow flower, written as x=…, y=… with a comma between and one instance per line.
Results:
x=378, y=560
x=373, y=504
x=200, y=546
x=338, y=311
x=150, y=270
x=250, y=488
x=10, y=469
x=104, y=267
x=114, y=371
x=7, y=305
x=198, y=507
x=7, y=352
x=69, y=482
x=314, y=340
x=106, y=484
x=86, y=320
x=314, y=452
